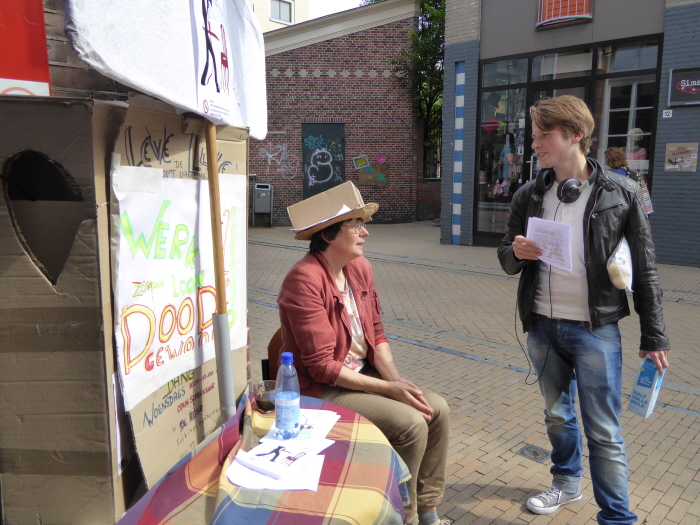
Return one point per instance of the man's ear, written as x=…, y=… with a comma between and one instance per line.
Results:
x=323, y=236
x=577, y=137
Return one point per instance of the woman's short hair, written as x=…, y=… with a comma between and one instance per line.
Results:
x=615, y=158
x=569, y=113
x=322, y=238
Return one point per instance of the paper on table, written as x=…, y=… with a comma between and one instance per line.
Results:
x=315, y=425
x=555, y=239
x=306, y=477
x=272, y=459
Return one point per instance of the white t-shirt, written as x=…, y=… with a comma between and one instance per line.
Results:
x=357, y=356
x=569, y=289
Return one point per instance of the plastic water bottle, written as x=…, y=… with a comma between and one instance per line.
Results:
x=287, y=399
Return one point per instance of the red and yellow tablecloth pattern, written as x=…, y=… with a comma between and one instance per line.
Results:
x=362, y=482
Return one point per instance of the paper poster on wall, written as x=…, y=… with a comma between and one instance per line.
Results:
x=374, y=174
x=173, y=420
x=164, y=275
x=682, y=157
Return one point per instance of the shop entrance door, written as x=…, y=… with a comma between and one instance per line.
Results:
x=506, y=159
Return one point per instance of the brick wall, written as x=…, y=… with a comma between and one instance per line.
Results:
x=428, y=199
x=70, y=77
x=346, y=79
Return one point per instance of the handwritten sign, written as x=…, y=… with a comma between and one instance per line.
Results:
x=173, y=420
x=164, y=289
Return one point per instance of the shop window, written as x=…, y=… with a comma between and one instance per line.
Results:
x=554, y=12
x=46, y=208
x=627, y=120
x=562, y=65
x=612, y=59
x=504, y=73
x=281, y=11
x=501, y=152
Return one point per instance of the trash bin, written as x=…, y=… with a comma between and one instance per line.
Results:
x=262, y=200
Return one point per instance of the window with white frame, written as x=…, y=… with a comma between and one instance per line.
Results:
x=627, y=119
x=281, y=11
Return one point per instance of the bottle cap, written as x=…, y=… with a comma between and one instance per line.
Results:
x=287, y=358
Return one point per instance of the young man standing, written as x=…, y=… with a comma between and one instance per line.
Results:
x=571, y=316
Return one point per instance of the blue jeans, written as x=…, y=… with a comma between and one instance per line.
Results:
x=572, y=357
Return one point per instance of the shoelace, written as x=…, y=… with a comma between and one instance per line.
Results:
x=550, y=495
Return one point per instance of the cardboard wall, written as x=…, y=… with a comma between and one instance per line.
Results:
x=60, y=449
x=55, y=449
x=161, y=180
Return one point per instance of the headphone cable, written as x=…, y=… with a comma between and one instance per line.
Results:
x=551, y=315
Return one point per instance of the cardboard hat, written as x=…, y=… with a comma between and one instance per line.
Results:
x=335, y=205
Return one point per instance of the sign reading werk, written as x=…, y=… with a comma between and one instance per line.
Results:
x=684, y=87
x=164, y=286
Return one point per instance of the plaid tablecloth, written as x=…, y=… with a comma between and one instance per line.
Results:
x=362, y=482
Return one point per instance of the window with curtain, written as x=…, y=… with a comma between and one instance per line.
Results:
x=554, y=12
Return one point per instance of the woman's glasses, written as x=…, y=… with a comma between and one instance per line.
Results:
x=356, y=224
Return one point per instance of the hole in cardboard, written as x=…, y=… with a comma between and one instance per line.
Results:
x=46, y=208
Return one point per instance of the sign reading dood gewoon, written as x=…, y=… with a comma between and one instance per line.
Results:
x=164, y=290
x=684, y=86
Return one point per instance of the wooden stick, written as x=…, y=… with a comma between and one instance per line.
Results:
x=215, y=204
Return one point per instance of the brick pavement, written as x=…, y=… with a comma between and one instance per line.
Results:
x=449, y=311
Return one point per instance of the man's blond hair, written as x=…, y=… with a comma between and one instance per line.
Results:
x=567, y=112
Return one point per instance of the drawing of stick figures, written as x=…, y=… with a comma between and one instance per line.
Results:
x=291, y=459
x=206, y=4
x=224, y=60
x=276, y=453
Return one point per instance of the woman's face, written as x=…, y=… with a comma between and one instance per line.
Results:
x=349, y=243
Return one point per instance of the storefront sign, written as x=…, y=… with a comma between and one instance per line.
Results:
x=684, y=87
x=682, y=157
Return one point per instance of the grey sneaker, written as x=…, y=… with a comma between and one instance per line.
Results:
x=550, y=500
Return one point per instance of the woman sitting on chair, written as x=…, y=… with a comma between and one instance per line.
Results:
x=331, y=322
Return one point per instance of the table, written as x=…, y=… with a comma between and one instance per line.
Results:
x=363, y=480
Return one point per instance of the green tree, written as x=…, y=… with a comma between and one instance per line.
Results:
x=422, y=69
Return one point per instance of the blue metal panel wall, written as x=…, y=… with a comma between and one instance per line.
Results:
x=676, y=195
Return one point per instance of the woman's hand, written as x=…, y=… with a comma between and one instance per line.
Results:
x=524, y=248
x=406, y=392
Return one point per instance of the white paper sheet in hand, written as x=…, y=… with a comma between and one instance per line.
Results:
x=555, y=239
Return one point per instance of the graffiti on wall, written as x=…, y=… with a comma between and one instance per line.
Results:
x=323, y=156
x=279, y=156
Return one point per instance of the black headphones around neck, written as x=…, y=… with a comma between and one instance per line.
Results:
x=568, y=190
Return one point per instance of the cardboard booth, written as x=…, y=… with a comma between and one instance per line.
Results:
x=107, y=375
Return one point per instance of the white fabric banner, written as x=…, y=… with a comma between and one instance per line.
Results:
x=164, y=289
x=205, y=56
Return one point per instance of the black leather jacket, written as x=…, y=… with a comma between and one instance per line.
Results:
x=614, y=209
